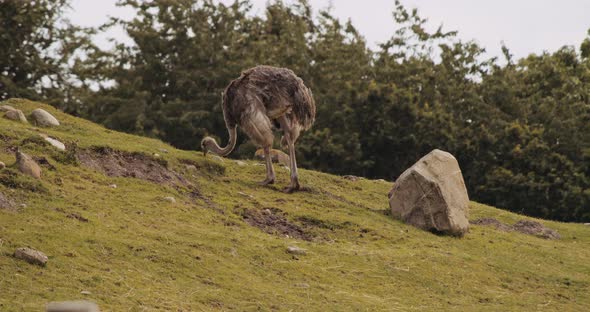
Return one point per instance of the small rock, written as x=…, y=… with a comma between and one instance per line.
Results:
x=191, y=167
x=163, y=150
x=73, y=306
x=6, y=108
x=156, y=155
x=302, y=285
x=27, y=165
x=246, y=195
x=287, y=168
x=351, y=178
x=23, y=205
x=55, y=143
x=85, y=292
x=276, y=156
x=294, y=250
x=113, y=186
x=216, y=157
x=2, y=165
x=170, y=199
x=587, y=224
x=42, y=118
x=31, y=256
x=241, y=163
x=16, y=115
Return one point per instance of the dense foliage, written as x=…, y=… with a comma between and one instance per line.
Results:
x=521, y=131
x=36, y=43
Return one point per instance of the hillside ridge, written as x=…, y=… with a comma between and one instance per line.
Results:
x=132, y=223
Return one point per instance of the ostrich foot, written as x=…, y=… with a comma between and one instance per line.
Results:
x=292, y=188
x=267, y=181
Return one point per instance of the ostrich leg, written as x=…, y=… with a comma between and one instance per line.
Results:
x=270, y=173
x=288, y=135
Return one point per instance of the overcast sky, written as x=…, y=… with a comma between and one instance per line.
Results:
x=525, y=26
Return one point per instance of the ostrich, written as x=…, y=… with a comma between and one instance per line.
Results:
x=263, y=98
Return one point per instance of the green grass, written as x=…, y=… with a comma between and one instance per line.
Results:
x=139, y=252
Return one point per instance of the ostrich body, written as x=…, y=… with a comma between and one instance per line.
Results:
x=263, y=98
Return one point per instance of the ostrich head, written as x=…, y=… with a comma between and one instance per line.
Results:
x=207, y=144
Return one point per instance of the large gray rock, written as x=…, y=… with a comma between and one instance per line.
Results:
x=431, y=195
x=27, y=165
x=73, y=306
x=42, y=118
x=31, y=256
x=16, y=115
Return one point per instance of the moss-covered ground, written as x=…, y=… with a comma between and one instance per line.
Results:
x=141, y=252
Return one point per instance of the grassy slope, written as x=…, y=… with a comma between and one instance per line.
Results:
x=138, y=252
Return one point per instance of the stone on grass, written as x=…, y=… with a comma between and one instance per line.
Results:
x=217, y=157
x=191, y=167
x=31, y=256
x=55, y=143
x=241, y=163
x=73, y=306
x=2, y=165
x=294, y=250
x=16, y=115
x=588, y=224
x=170, y=199
x=42, y=118
x=27, y=165
x=276, y=156
x=246, y=195
x=431, y=195
x=6, y=108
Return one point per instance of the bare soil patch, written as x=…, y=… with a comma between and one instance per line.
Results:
x=115, y=163
x=274, y=221
x=535, y=228
x=529, y=227
x=493, y=222
x=6, y=203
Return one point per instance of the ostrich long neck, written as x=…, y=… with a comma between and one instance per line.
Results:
x=230, y=145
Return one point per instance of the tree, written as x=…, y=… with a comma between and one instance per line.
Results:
x=36, y=43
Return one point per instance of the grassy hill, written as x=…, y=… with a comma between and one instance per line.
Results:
x=220, y=243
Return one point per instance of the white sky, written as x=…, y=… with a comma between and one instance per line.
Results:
x=525, y=26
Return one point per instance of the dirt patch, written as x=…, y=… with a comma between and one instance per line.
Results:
x=493, y=222
x=203, y=165
x=273, y=221
x=116, y=163
x=6, y=203
x=523, y=226
x=195, y=194
x=43, y=162
x=535, y=228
